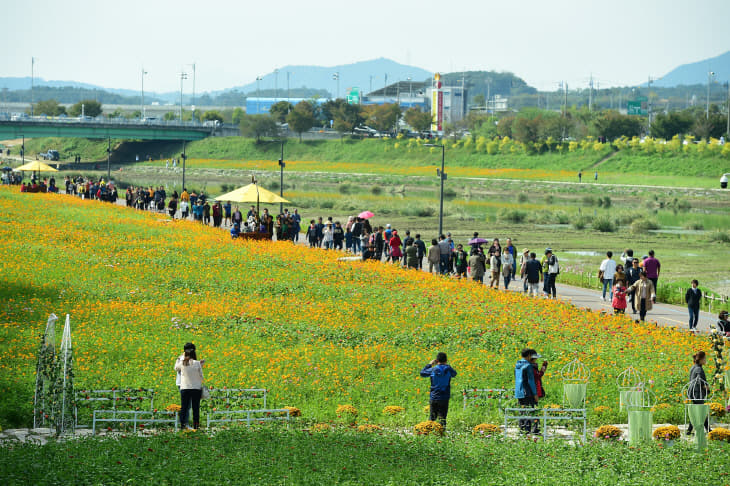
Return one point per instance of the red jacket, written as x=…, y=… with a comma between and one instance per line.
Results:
x=538, y=380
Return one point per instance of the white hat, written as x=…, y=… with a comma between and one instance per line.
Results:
x=387, y=225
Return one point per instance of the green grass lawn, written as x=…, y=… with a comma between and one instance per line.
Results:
x=274, y=456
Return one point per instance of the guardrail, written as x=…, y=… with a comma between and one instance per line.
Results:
x=108, y=121
x=135, y=417
x=248, y=416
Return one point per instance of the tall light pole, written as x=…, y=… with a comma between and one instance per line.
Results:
x=258, y=95
x=183, y=75
x=276, y=85
x=442, y=175
x=281, y=172
x=710, y=74
x=192, y=106
x=184, y=157
x=109, y=161
x=32, y=75
x=410, y=90
x=143, y=73
x=287, y=86
x=336, y=77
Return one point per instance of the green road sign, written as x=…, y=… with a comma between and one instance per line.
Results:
x=636, y=108
x=353, y=96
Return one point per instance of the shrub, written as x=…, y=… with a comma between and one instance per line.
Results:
x=669, y=432
x=604, y=202
x=393, y=410
x=345, y=188
x=601, y=409
x=589, y=201
x=376, y=190
x=694, y=225
x=719, y=433
x=347, y=410
x=294, y=411
x=368, y=428
x=449, y=193
x=321, y=427
x=717, y=409
x=720, y=236
x=549, y=199
x=327, y=204
x=429, y=427
x=604, y=224
x=581, y=222
x=608, y=432
x=512, y=216
x=522, y=198
x=644, y=225
x=486, y=430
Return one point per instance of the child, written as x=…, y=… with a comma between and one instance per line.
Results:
x=619, y=298
x=440, y=373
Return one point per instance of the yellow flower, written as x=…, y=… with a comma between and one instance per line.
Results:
x=486, y=429
x=294, y=411
x=607, y=432
x=719, y=433
x=668, y=432
x=429, y=427
x=173, y=408
x=368, y=428
x=393, y=410
x=346, y=410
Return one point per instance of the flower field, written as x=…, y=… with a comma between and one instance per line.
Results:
x=315, y=332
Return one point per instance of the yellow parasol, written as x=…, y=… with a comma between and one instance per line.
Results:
x=252, y=193
x=36, y=166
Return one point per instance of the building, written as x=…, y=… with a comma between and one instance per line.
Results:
x=262, y=106
x=408, y=94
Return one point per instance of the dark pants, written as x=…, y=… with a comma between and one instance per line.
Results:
x=439, y=410
x=527, y=425
x=642, y=309
x=188, y=398
x=630, y=297
x=444, y=264
x=550, y=284
x=654, y=281
x=694, y=316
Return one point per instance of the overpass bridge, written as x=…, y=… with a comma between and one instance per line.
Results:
x=35, y=127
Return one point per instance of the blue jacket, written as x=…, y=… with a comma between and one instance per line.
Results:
x=440, y=375
x=524, y=380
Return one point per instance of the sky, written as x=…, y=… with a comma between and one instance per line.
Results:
x=107, y=43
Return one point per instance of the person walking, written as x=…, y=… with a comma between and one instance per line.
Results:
x=508, y=265
x=191, y=387
x=328, y=236
x=533, y=275
x=444, y=255
x=420, y=246
x=698, y=387
x=693, y=298
x=524, y=257
x=411, y=255
x=434, y=256
x=618, y=302
x=644, y=294
x=477, y=265
x=606, y=272
x=462, y=261
x=652, y=267
x=553, y=270
x=440, y=373
x=632, y=276
x=395, y=244
x=494, y=269
x=526, y=389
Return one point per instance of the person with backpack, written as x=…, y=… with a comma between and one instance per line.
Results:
x=553, y=270
x=526, y=389
x=440, y=373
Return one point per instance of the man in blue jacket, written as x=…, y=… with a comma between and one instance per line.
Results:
x=525, y=388
x=440, y=373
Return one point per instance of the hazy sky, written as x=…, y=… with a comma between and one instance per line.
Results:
x=621, y=42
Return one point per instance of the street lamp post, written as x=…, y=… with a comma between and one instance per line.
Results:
x=258, y=95
x=276, y=85
x=336, y=77
x=282, y=164
x=183, y=75
x=143, y=73
x=109, y=160
x=710, y=74
x=192, y=107
x=184, y=157
x=442, y=176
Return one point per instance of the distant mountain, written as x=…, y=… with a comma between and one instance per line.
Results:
x=696, y=72
x=23, y=83
x=360, y=74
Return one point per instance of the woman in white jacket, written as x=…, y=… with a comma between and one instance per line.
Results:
x=191, y=387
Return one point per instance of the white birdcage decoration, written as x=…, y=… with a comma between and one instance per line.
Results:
x=696, y=394
x=629, y=382
x=575, y=376
x=639, y=405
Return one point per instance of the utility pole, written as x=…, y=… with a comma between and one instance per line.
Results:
x=276, y=85
x=336, y=77
x=489, y=89
x=648, y=97
x=258, y=95
x=371, y=84
x=287, y=86
x=184, y=157
x=109, y=161
x=727, y=107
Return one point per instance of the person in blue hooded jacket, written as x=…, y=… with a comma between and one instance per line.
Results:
x=440, y=373
x=525, y=388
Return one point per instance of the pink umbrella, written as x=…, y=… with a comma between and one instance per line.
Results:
x=365, y=215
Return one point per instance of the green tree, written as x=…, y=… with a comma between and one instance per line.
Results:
x=667, y=126
x=526, y=129
x=383, y=117
x=213, y=115
x=419, y=120
x=49, y=108
x=504, y=126
x=347, y=117
x=169, y=116
x=237, y=115
x=91, y=108
x=479, y=100
x=612, y=125
x=280, y=110
x=301, y=118
x=257, y=126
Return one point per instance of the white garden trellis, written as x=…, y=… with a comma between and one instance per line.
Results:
x=629, y=382
x=697, y=412
x=575, y=376
x=54, y=393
